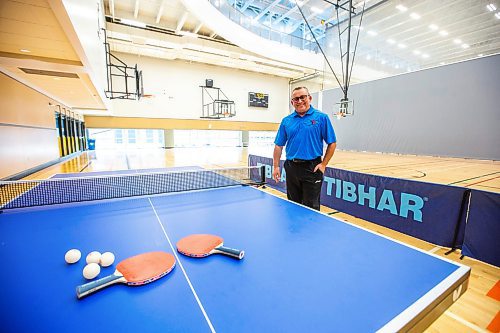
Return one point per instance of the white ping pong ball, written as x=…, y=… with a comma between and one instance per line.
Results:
x=72, y=256
x=107, y=259
x=91, y=271
x=93, y=257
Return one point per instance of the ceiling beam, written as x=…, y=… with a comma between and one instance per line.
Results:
x=136, y=9
x=198, y=27
x=267, y=9
x=299, y=22
x=287, y=14
x=160, y=12
x=181, y=22
x=112, y=8
x=245, y=6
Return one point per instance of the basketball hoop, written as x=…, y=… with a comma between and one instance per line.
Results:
x=344, y=108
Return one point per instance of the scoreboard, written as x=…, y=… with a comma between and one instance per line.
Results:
x=259, y=100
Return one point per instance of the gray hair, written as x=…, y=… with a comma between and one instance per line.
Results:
x=298, y=88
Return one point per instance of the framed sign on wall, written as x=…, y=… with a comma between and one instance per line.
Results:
x=259, y=100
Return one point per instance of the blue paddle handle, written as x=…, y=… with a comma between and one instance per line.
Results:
x=91, y=287
x=230, y=252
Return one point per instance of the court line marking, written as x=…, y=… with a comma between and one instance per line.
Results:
x=183, y=270
x=465, y=322
x=435, y=249
x=464, y=180
x=482, y=181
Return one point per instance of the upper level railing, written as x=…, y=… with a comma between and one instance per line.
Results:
x=262, y=30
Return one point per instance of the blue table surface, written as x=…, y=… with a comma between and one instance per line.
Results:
x=303, y=271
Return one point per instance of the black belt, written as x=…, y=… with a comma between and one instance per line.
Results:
x=298, y=160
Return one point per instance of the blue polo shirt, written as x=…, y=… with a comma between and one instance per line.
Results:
x=304, y=136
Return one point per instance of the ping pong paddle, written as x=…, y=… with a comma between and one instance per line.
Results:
x=202, y=245
x=134, y=271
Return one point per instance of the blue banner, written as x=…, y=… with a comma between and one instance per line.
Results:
x=422, y=210
x=482, y=232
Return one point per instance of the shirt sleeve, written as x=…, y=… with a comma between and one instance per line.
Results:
x=327, y=131
x=281, y=136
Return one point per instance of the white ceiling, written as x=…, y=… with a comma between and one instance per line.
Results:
x=390, y=42
x=32, y=37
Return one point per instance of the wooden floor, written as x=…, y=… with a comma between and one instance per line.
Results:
x=473, y=312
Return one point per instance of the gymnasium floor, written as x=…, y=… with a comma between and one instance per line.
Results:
x=473, y=312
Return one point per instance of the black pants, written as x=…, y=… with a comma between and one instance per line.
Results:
x=302, y=184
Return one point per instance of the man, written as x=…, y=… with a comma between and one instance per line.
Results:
x=303, y=133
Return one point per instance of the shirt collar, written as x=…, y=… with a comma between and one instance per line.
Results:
x=310, y=111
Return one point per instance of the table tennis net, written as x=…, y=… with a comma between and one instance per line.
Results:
x=30, y=193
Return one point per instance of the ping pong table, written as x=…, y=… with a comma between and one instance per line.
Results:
x=303, y=270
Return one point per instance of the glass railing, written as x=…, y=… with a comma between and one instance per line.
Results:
x=263, y=30
x=366, y=56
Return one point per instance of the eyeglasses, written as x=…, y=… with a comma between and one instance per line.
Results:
x=300, y=98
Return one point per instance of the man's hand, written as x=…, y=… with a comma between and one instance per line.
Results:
x=276, y=174
x=320, y=167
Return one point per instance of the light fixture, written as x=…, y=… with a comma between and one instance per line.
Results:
x=443, y=33
x=480, y=55
x=372, y=33
x=383, y=62
x=402, y=46
x=368, y=57
x=497, y=15
x=415, y=16
x=425, y=56
x=442, y=63
x=401, y=8
x=491, y=7
x=433, y=27
x=25, y=50
x=317, y=10
x=465, y=46
x=457, y=41
x=416, y=52
x=391, y=41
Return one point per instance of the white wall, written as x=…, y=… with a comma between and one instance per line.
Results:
x=177, y=93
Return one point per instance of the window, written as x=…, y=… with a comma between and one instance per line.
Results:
x=118, y=136
x=149, y=136
x=131, y=136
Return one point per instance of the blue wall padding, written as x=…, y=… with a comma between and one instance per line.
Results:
x=482, y=232
x=426, y=211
